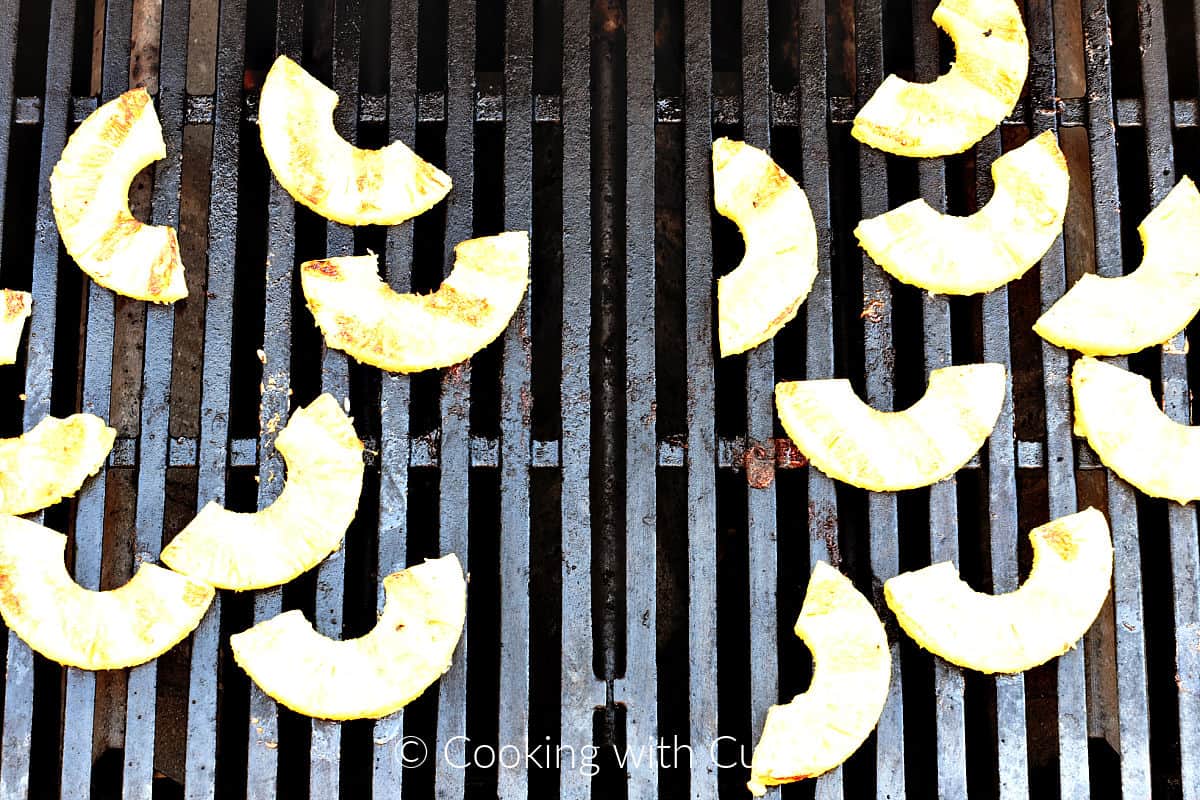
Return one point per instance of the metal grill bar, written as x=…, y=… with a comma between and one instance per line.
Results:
x=1012, y=756
x=154, y=437
x=395, y=390
x=262, y=758
x=823, y=526
x=701, y=397
x=212, y=450
x=39, y=371
x=639, y=688
x=883, y=517
x=516, y=406
x=456, y=383
x=579, y=690
x=760, y=402
x=949, y=683
x=1132, y=690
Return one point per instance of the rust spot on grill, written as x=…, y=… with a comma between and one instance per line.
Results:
x=760, y=465
x=787, y=455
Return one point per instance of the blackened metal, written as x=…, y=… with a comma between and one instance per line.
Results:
x=879, y=352
x=324, y=778
x=262, y=756
x=1132, y=689
x=761, y=526
x=701, y=399
x=949, y=683
x=1074, y=778
x=395, y=390
x=8, y=104
x=579, y=691
x=1176, y=402
x=638, y=690
x=823, y=526
x=456, y=386
x=214, y=445
x=516, y=406
x=142, y=692
x=39, y=372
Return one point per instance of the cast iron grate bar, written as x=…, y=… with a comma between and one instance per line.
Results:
x=1176, y=402
x=39, y=371
x=949, y=682
x=823, y=525
x=879, y=342
x=516, y=406
x=638, y=690
x=395, y=390
x=701, y=400
x=580, y=693
x=1132, y=689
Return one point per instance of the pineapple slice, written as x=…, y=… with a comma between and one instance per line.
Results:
x=958, y=109
x=765, y=291
x=1115, y=410
x=1013, y=632
x=325, y=172
x=997, y=244
x=852, y=669
x=375, y=675
x=363, y=316
x=50, y=462
x=66, y=623
x=1115, y=316
x=90, y=192
x=15, y=308
x=304, y=525
x=890, y=451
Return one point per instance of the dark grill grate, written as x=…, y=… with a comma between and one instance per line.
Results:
x=637, y=528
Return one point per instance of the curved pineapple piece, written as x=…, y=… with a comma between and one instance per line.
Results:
x=77, y=627
x=304, y=525
x=999, y=243
x=958, y=109
x=890, y=451
x=852, y=668
x=15, y=308
x=325, y=172
x=90, y=192
x=363, y=316
x=1013, y=632
x=1115, y=316
x=375, y=675
x=1117, y=413
x=51, y=461
x=765, y=291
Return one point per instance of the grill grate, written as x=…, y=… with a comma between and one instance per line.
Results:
x=638, y=530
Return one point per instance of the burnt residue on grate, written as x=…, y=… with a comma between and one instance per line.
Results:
x=638, y=531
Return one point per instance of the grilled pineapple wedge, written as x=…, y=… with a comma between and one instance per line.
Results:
x=66, y=623
x=15, y=308
x=764, y=292
x=1115, y=410
x=363, y=316
x=981, y=252
x=375, y=675
x=89, y=189
x=852, y=669
x=51, y=461
x=1115, y=316
x=328, y=174
x=1013, y=632
x=890, y=451
x=958, y=109
x=304, y=525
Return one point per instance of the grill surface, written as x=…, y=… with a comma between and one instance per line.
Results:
x=638, y=532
